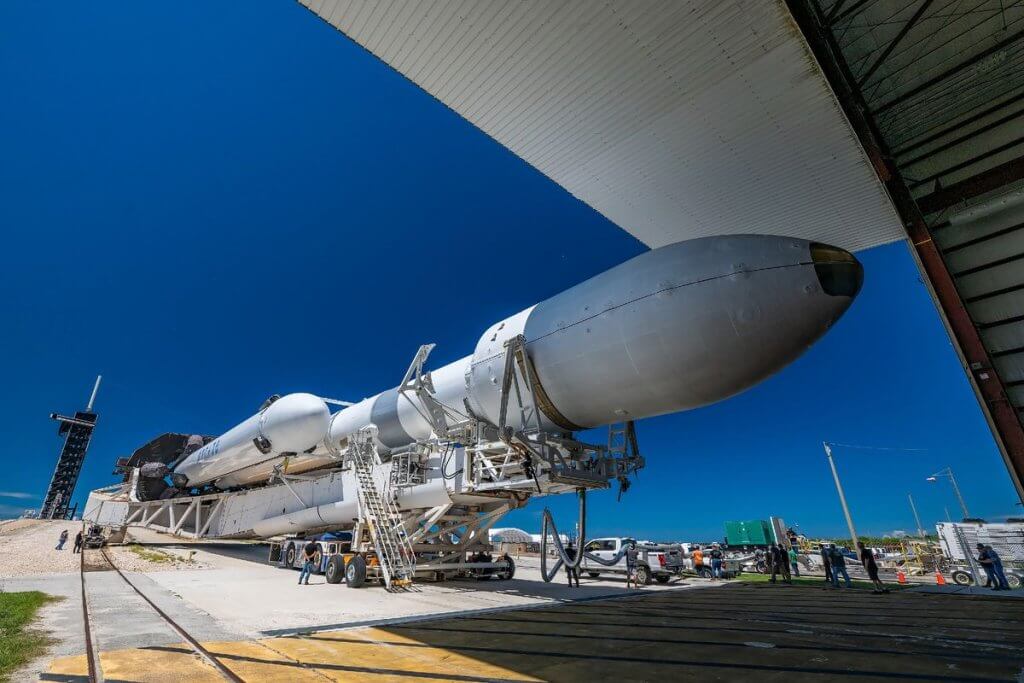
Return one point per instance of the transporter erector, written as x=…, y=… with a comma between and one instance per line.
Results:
x=675, y=328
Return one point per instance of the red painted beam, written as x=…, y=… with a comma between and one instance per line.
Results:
x=986, y=181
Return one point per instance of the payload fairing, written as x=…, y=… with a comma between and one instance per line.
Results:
x=672, y=329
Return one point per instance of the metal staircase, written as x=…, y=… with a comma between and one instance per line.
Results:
x=380, y=515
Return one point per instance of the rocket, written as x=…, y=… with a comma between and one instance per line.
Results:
x=672, y=329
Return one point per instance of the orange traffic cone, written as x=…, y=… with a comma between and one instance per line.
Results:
x=939, y=581
x=901, y=577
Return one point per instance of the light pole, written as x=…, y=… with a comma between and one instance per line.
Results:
x=842, y=497
x=948, y=472
x=920, y=531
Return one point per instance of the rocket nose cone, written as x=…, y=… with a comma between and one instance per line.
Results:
x=295, y=423
x=839, y=272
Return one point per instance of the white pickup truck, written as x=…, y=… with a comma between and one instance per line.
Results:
x=654, y=561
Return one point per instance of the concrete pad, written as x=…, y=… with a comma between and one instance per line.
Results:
x=754, y=632
x=257, y=599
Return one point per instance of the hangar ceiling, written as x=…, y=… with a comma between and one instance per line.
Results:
x=936, y=90
x=673, y=119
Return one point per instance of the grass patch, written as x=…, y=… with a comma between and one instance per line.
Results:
x=816, y=581
x=19, y=643
x=151, y=554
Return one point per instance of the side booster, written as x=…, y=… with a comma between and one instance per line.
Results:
x=292, y=426
x=672, y=329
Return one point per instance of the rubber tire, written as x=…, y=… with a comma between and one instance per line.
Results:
x=289, y=557
x=355, y=572
x=704, y=572
x=509, y=573
x=643, y=575
x=961, y=577
x=593, y=575
x=317, y=558
x=1014, y=580
x=661, y=578
x=335, y=569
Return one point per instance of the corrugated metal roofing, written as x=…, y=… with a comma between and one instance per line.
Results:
x=673, y=119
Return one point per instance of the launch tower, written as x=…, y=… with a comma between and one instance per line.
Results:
x=77, y=432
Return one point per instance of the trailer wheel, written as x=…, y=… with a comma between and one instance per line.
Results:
x=289, y=557
x=355, y=572
x=643, y=575
x=508, y=573
x=335, y=569
x=593, y=575
x=661, y=578
x=962, y=578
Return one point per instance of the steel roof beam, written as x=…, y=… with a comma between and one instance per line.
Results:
x=894, y=43
x=935, y=80
x=959, y=125
x=969, y=162
x=964, y=138
x=986, y=181
x=848, y=14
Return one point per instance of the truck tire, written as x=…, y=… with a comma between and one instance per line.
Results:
x=962, y=578
x=593, y=575
x=643, y=575
x=335, y=569
x=289, y=557
x=661, y=578
x=355, y=572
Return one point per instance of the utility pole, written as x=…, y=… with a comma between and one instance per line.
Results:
x=842, y=496
x=920, y=531
x=948, y=473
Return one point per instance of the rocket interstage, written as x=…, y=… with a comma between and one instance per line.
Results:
x=672, y=329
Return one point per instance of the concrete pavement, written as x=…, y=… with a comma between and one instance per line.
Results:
x=750, y=632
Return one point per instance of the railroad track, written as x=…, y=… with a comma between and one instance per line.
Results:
x=98, y=560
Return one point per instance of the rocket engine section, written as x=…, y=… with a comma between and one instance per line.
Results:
x=291, y=426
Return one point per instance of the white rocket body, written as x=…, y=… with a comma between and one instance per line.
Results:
x=675, y=328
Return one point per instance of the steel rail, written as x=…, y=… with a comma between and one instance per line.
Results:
x=95, y=672
x=208, y=656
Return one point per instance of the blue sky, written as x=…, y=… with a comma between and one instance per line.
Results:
x=210, y=206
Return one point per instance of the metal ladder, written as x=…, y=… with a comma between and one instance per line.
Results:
x=381, y=516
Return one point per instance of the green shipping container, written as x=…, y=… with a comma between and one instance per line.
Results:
x=753, y=532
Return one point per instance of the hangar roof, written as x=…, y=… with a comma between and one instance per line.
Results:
x=675, y=120
x=943, y=83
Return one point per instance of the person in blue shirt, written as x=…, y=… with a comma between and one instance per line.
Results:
x=838, y=561
x=826, y=563
x=990, y=562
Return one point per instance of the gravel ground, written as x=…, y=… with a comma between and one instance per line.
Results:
x=27, y=548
